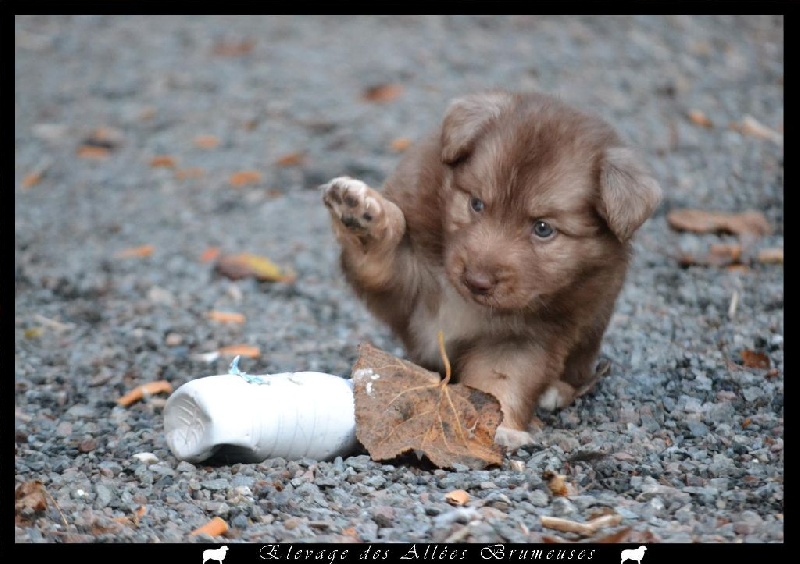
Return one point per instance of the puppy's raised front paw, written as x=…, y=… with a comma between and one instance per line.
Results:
x=512, y=439
x=355, y=207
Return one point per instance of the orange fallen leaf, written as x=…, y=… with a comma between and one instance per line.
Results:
x=136, y=252
x=248, y=265
x=773, y=255
x=400, y=144
x=217, y=526
x=31, y=179
x=699, y=118
x=191, y=172
x=91, y=152
x=164, y=161
x=291, y=159
x=147, y=389
x=382, y=92
x=226, y=316
x=700, y=221
x=245, y=177
x=247, y=351
x=753, y=359
x=746, y=423
x=233, y=48
x=402, y=407
x=457, y=497
x=209, y=254
x=206, y=141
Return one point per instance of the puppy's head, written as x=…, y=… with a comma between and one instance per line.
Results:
x=538, y=197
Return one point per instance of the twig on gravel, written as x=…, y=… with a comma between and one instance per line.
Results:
x=585, y=529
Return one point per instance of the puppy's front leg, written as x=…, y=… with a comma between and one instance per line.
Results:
x=516, y=376
x=368, y=227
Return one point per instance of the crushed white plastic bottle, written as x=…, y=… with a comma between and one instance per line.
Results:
x=247, y=418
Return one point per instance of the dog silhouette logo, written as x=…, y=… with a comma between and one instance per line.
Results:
x=215, y=554
x=633, y=554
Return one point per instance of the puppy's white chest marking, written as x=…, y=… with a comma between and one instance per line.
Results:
x=456, y=318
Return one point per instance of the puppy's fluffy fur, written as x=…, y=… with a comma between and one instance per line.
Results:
x=509, y=229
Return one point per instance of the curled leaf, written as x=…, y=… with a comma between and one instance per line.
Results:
x=700, y=221
x=136, y=252
x=206, y=141
x=245, y=177
x=226, y=316
x=150, y=388
x=164, y=161
x=248, y=351
x=248, y=265
x=382, y=92
x=291, y=159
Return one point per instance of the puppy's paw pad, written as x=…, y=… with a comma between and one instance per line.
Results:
x=512, y=439
x=353, y=203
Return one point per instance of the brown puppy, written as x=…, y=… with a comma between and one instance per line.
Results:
x=508, y=229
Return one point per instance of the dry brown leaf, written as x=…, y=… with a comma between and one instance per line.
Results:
x=457, y=497
x=291, y=159
x=746, y=423
x=233, y=48
x=30, y=495
x=206, y=141
x=211, y=253
x=245, y=177
x=557, y=484
x=701, y=221
x=226, y=316
x=136, y=252
x=382, y=92
x=753, y=359
x=772, y=255
x=164, y=161
x=699, y=118
x=400, y=144
x=217, y=526
x=402, y=407
x=191, y=172
x=104, y=137
x=247, y=351
x=247, y=265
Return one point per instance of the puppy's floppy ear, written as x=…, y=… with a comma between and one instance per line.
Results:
x=466, y=118
x=628, y=192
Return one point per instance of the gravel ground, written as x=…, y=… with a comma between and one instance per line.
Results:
x=683, y=438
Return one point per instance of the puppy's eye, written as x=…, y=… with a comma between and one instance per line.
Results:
x=543, y=230
x=476, y=204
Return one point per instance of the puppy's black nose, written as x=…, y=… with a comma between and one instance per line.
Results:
x=478, y=282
